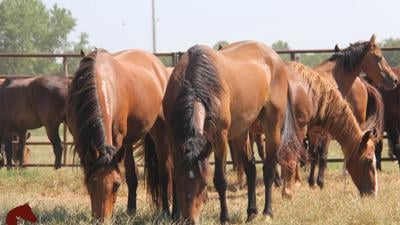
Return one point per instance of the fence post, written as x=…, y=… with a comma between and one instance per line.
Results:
x=65, y=146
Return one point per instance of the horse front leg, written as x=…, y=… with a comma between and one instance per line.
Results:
x=8, y=147
x=131, y=178
x=220, y=181
x=322, y=164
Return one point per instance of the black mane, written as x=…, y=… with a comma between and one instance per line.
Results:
x=351, y=57
x=200, y=83
x=85, y=115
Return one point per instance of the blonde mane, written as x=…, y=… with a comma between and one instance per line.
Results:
x=331, y=111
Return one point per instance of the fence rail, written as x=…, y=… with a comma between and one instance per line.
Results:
x=175, y=56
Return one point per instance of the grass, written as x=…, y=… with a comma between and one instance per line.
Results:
x=59, y=197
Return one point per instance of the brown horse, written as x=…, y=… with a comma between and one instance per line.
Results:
x=29, y=104
x=213, y=97
x=323, y=110
x=391, y=102
x=342, y=70
x=114, y=101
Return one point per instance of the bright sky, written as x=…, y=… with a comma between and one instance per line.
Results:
x=124, y=24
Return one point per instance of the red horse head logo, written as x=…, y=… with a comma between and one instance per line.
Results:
x=23, y=211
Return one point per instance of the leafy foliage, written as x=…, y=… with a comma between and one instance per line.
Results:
x=27, y=26
x=393, y=57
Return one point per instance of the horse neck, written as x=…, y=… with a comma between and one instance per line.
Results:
x=337, y=118
x=343, y=79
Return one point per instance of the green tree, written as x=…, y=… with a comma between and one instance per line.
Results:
x=282, y=45
x=76, y=47
x=393, y=57
x=220, y=44
x=27, y=26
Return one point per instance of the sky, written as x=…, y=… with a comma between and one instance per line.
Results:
x=308, y=24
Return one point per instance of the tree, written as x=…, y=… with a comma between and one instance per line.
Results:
x=220, y=44
x=393, y=57
x=28, y=26
x=282, y=45
x=81, y=45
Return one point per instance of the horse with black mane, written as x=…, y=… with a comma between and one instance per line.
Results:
x=29, y=104
x=114, y=101
x=214, y=96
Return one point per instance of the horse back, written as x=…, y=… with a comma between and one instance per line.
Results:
x=131, y=85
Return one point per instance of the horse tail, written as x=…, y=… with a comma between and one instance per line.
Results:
x=291, y=148
x=375, y=110
x=152, y=176
x=237, y=161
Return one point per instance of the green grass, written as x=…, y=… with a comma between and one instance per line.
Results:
x=59, y=197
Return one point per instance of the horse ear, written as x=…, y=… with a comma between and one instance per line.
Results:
x=83, y=54
x=364, y=140
x=337, y=49
x=372, y=41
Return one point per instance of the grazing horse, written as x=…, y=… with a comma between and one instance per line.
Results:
x=323, y=110
x=23, y=211
x=114, y=101
x=213, y=97
x=29, y=104
x=391, y=100
x=342, y=70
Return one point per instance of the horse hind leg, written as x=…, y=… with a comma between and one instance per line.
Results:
x=54, y=137
x=246, y=156
x=21, y=147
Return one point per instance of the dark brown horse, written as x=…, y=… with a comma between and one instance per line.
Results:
x=342, y=70
x=114, y=101
x=213, y=97
x=29, y=104
x=391, y=101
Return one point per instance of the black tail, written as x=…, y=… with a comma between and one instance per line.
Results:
x=375, y=110
x=290, y=148
x=153, y=181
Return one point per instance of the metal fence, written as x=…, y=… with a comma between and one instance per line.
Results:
x=173, y=58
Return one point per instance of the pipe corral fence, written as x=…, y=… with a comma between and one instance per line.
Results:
x=173, y=60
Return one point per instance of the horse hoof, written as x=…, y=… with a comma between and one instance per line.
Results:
x=267, y=219
x=297, y=184
x=321, y=185
x=251, y=217
x=131, y=212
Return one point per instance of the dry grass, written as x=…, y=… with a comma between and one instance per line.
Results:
x=59, y=197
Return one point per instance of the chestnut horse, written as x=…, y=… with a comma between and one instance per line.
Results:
x=342, y=70
x=323, y=110
x=214, y=96
x=320, y=108
x=391, y=100
x=114, y=101
x=29, y=104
